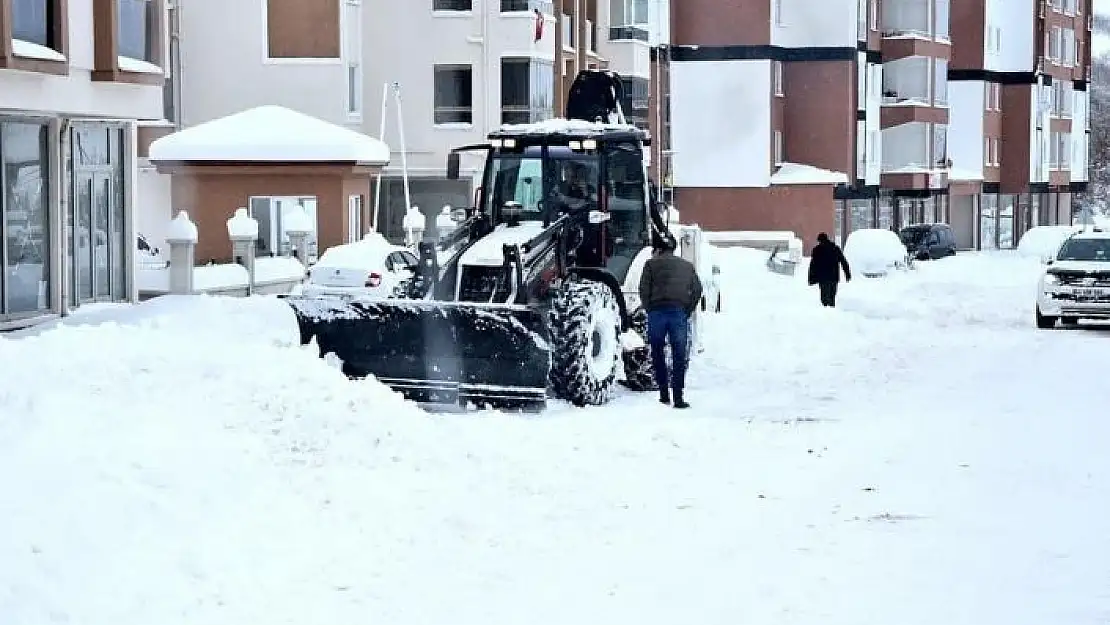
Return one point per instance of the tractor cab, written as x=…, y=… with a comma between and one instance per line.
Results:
x=534, y=174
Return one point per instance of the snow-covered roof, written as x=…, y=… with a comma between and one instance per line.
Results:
x=566, y=127
x=796, y=173
x=269, y=134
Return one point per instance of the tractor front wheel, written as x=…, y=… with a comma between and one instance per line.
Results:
x=586, y=350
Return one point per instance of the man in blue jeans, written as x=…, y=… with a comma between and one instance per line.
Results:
x=670, y=292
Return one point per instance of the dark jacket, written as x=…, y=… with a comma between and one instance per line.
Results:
x=668, y=280
x=825, y=263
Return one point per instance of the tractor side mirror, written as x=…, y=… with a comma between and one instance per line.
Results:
x=458, y=215
x=453, y=165
x=597, y=217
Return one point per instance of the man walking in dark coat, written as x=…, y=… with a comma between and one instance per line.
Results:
x=670, y=292
x=824, y=269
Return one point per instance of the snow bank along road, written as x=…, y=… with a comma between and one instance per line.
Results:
x=920, y=455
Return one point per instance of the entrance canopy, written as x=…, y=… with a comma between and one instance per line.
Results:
x=269, y=134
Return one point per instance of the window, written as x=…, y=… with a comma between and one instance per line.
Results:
x=354, y=218
x=778, y=13
x=777, y=68
x=527, y=94
x=940, y=82
x=352, y=41
x=861, y=150
x=873, y=12
x=452, y=5
x=454, y=95
x=778, y=148
x=24, y=224
x=1067, y=50
x=33, y=22
x=270, y=213
x=861, y=20
x=942, y=17
x=627, y=195
x=1071, y=7
x=1055, y=40
x=1054, y=150
x=996, y=151
x=1064, y=149
x=304, y=29
x=137, y=30
x=940, y=144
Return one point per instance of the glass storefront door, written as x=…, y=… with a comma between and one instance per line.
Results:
x=97, y=232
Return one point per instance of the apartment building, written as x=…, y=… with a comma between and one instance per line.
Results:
x=1019, y=88
x=75, y=80
x=764, y=115
x=840, y=116
x=461, y=68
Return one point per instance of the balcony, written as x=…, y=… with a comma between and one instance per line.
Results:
x=903, y=18
x=907, y=82
x=517, y=6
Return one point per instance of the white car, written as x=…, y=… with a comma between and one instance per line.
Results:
x=874, y=252
x=1076, y=282
x=372, y=268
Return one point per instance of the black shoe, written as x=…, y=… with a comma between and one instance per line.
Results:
x=664, y=397
x=679, y=402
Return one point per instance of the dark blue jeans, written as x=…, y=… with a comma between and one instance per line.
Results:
x=669, y=324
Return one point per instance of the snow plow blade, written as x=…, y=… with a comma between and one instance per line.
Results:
x=440, y=353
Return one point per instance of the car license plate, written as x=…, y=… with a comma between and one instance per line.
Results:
x=1092, y=293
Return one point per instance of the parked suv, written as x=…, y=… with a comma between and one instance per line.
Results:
x=929, y=241
x=1076, y=283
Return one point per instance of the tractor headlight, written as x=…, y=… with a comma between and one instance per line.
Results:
x=1050, y=279
x=589, y=144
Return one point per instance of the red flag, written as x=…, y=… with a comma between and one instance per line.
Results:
x=539, y=25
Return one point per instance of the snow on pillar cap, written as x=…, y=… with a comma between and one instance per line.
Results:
x=445, y=219
x=297, y=221
x=242, y=226
x=414, y=219
x=182, y=229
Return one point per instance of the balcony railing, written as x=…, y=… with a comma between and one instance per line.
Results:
x=630, y=32
x=907, y=81
x=515, y=6
x=908, y=17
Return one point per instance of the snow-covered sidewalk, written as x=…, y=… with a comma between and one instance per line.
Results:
x=920, y=455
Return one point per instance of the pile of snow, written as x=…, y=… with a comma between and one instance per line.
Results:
x=368, y=253
x=798, y=173
x=874, y=251
x=186, y=463
x=1043, y=242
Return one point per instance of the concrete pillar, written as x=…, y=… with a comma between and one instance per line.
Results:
x=242, y=229
x=298, y=225
x=413, y=223
x=445, y=223
x=182, y=239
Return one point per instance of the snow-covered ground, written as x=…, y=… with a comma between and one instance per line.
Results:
x=920, y=455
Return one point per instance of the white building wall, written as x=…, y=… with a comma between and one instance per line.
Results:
x=1079, y=125
x=1040, y=135
x=805, y=23
x=713, y=146
x=1009, y=35
x=874, y=126
x=76, y=94
x=659, y=22
x=155, y=212
x=965, y=127
x=224, y=68
x=479, y=39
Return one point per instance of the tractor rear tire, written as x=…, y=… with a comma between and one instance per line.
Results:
x=586, y=350
x=639, y=373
